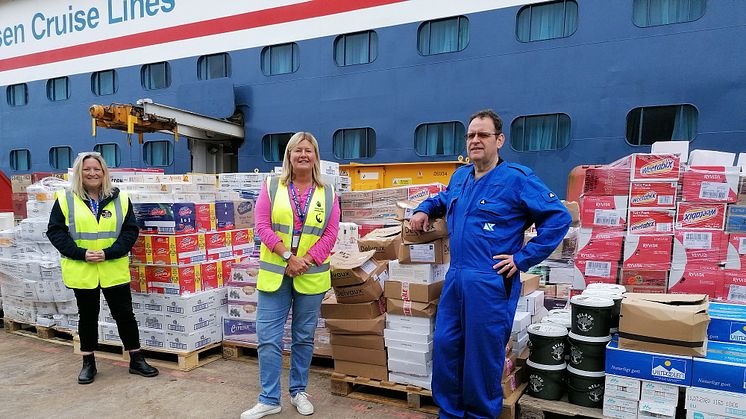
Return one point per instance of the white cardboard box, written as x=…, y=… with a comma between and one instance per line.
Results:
x=192, y=303
x=411, y=346
x=731, y=405
x=416, y=323
x=531, y=303
x=656, y=410
x=521, y=321
x=417, y=273
x=622, y=387
x=193, y=341
x=697, y=414
x=191, y=324
x=618, y=408
x=417, y=357
x=412, y=368
x=424, y=382
x=407, y=336
x=660, y=393
x=152, y=338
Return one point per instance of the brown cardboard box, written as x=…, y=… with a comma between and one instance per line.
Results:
x=369, y=290
x=550, y=290
x=438, y=252
x=438, y=229
x=657, y=322
x=574, y=209
x=362, y=355
x=322, y=342
x=19, y=204
x=376, y=372
x=19, y=183
x=405, y=209
x=413, y=292
x=352, y=268
x=243, y=213
x=331, y=309
x=409, y=308
x=385, y=241
x=529, y=283
x=359, y=341
x=357, y=326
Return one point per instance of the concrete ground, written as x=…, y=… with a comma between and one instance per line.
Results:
x=38, y=379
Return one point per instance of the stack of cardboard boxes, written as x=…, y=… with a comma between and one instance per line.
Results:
x=365, y=207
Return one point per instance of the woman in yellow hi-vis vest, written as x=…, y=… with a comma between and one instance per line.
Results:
x=297, y=219
x=93, y=226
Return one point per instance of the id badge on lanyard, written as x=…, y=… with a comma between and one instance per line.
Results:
x=300, y=212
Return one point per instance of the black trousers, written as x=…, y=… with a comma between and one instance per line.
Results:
x=119, y=299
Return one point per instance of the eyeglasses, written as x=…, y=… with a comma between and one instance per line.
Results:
x=481, y=134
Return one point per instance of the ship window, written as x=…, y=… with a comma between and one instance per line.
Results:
x=155, y=76
x=104, y=82
x=60, y=157
x=356, y=143
x=666, y=12
x=158, y=153
x=540, y=132
x=554, y=19
x=273, y=146
x=110, y=153
x=58, y=89
x=649, y=124
x=17, y=94
x=439, y=139
x=443, y=35
x=280, y=59
x=213, y=66
x=356, y=48
x=20, y=159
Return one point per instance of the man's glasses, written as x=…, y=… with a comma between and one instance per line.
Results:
x=481, y=134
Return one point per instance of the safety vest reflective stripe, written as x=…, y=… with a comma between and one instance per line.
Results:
x=72, y=227
x=274, y=184
x=281, y=228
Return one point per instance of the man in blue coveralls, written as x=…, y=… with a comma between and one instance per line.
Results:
x=488, y=204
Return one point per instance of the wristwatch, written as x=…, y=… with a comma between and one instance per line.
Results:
x=286, y=256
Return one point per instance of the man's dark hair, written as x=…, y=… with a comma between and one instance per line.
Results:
x=489, y=113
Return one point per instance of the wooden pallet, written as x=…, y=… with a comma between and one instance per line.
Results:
x=247, y=352
x=534, y=408
x=384, y=392
x=56, y=335
x=163, y=358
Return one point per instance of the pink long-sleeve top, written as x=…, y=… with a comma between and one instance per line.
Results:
x=263, y=223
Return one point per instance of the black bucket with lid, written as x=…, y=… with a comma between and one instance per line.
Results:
x=585, y=388
x=591, y=316
x=548, y=343
x=588, y=353
x=546, y=381
x=616, y=297
x=617, y=288
x=560, y=316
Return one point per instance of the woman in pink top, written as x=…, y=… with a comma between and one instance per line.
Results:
x=301, y=178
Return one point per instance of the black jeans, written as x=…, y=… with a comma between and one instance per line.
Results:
x=119, y=299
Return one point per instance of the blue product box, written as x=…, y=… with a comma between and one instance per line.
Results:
x=239, y=331
x=225, y=215
x=727, y=323
x=157, y=218
x=724, y=368
x=674, y=369
x=736, y=220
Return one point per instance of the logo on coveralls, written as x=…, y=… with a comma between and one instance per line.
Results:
x=489, y=227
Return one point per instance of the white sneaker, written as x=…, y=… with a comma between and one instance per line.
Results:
x=301, y=402
x=261, y=410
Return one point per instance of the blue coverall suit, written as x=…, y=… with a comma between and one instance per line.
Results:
x=486, y=217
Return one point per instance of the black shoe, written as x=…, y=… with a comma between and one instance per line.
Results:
x=88, y=371
x=139, y=366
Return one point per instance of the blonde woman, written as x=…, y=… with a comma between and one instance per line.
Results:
x=93, y=226
x=297, y=219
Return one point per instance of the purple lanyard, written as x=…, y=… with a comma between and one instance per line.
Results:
x=301, y=211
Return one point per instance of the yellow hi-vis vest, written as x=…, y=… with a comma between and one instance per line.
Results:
x=91, y=234
x=271, y=266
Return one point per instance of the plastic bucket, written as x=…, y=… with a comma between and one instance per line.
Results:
x=591, y=316
x=548, y=343
x=585, y=388
x=588, y=353
x=561, y=317
x=617, y=297
x=618, y=288
x=546, y=381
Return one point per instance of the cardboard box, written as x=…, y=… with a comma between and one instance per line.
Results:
x=405, y=209
x=734, y=286
x=218, y=245
x=415, y=357
x=409, y=323
x=698, y=247
x=735, y=254
x=651, y=253
x=357, y=326
x=529, y=283
x=424, y=382
x=656, y=410
x=175, y=250
x=730, y=405
x=413, y=292
x=242, y=311
x=410, y=346
x=438, y=230
x=193, y=323
x=650, y=221
x=205, y=219
x=243, y=213
x=617, y=386
x=698, y=414
x=245, y=293
x=594, y=271
x=160, y=218
x=660, y=393
x=369, y=290
x=619, y=408
x=606, y=180
x=652, y=195
x=242, y=241
x=361, y=355
x=531, y=303
x=696, y=279
x=331, y=309
x=407, y=336
x=193, y=341
x=184, y=279
x=410, y=308
x=417, y=273
x=649, y=366
x=521, y=321
x=191, y=304
x=644, y=278
x=603, y=211
x=404, y=367
x=696, y=215
x=358, y=341
x=652, y=322
x=354, y=368
x=352, y=268
x=655, y=167
x=724, y=368
x=710, y=184
x=437, y=252
x=736, y=219
x=727, y=323
x=225, y=213
x=385, y=242
x=600, y=244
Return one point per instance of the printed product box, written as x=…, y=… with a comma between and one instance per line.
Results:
x=193, y=341
x=358, y=341
x=385, y=242
x=243, y=213
x=211, y=276
x=239, y=331
x=652, y=195
x=225, y=215
x=603, y=211
x=521, y=321
x=594, y=271
x=173, y=279
x=724, y=368
x=698, y=414
x=352, y=268
x=656, y=410
x=151, y=338
x=138, y=253
x=357, y=326
x=244, y=272
x=151, y=320
x=600, y=244
x=218, y=245
x=245, y=293
x=667, y=394
x=606, y=180
x=734, y=286
x=108, y=332
x=242, y=311
x=242, y=241
x=652, y=253
x=438, y=230
x=698, y=247
x=154, y=303
x=650, y=221
x=420, y=193
x=735, y=257
x=655, y=167
x=138, y=281
x=619, y=408
x=697, y=279
x=175, y=250
x=710, y=184
x=157, y=218
x=413, y=292
x=347, y=238
x=728, y=404
x=437, y=252
x=416, y=273
x=736, y=220
x=650, y=366
x=410, y=308
x=331, y=309
x=727, y=323
x=405, y=209
x=695, y=215
x=205, y=219
x=644, y=278
x=622, y=387
x=370, y=290
x=191, y=304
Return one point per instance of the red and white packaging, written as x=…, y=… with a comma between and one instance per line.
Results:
x=138, y=282
x=175, y=250
x=210, y=275
x=173, y=279
x=650, y=221
x=600, y=244
x=607, y=180
x=218, y=245
x=734, y=286
x=647, y=289
x=205, y=216
x=643, y=277
x=603, y=211
x=735, y=255
x=655, y=167
x=698, y=247
x=242, y=241
x=710, y=184
x=594, y=271
x=651, y=253
x=652, y=195
x=138, y=253
x=701, y=279
x=691, y=215
x=422, y=192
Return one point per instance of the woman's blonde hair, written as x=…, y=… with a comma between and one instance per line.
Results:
x=287, y=168
x=107, y=189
